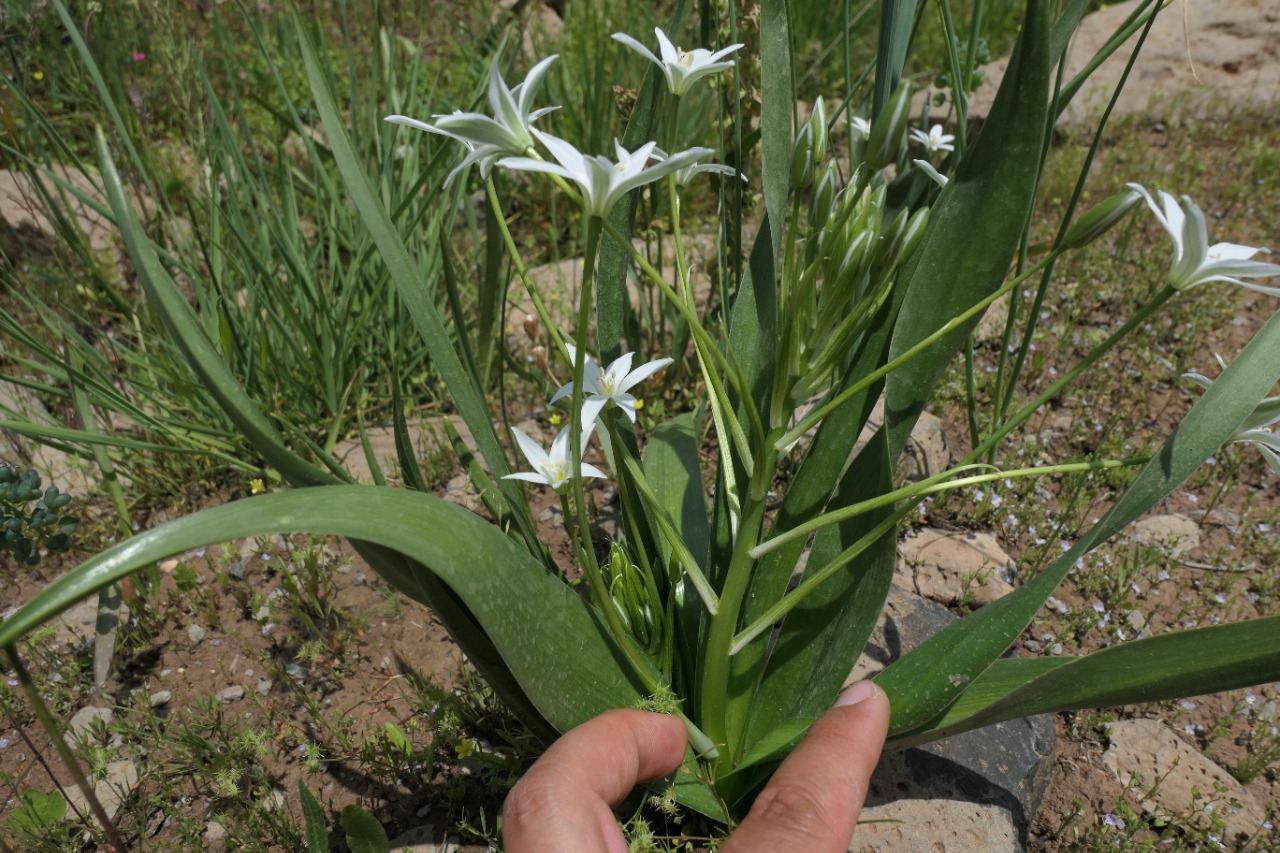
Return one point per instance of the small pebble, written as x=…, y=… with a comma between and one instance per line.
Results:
x=195, y=632
x=233, y=693
x=264, y=686
x=161, y=698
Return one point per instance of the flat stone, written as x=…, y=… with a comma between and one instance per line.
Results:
x=949, y=566
x=1173, y=531
x=999, y=769
x=1175, y=776
x=934, y=826
x=84, y=719
x=111, y=790
x=196, y=633
x=161, y=698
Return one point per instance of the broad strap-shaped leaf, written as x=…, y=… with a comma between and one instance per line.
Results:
x=808, y=493
x=674, y=471
x=753, y=321
x=897, y=21
x=925, y=681
x=553, y=642
x=417, y=298
x=778, y=96
x=1168, y=666
x=822, y=637
x=974, y=227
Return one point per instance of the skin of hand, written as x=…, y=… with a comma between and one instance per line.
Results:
x=565, y=802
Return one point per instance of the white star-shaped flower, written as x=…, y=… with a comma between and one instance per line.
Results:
x=611, y=384
x=601, y=180
x=507, y=133
x=682, y=69
x=1255, y=429
x=935, y=139
x=554, y=468
x=1194, y=260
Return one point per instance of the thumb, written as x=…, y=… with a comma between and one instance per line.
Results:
x=811, y=804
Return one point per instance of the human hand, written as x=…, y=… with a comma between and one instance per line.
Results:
x=565, y=802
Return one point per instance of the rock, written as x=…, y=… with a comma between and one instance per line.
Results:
x=196, y=633
x=1203, y=55
x=234, y=693
x=1175, y=532
x=215, y=837
x=84, y=719
x=990, y=781
x=1177, y=777
x=926, y=452
x=934, y=826
x=111, y=790
x=78, y=624
x=161, y=698
x=948, y=566
x=264, y=686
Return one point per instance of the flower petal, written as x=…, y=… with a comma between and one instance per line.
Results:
x=642, y=373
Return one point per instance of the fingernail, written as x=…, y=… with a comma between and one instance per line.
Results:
x=855, y=693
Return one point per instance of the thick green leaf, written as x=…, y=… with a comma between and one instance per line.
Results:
x=807, y=495
x=313, y=815
x=778, y=96
x=406, y=275
x=364, y=833
x=925, y=681
x=184, y=328
x=897, y=20
x=555, y=645
x=974, y=227
x=674, y=472
x=1169, y=666
x=754, y=319
x=822, y=637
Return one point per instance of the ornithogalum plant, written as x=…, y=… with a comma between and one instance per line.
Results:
x=862, y=284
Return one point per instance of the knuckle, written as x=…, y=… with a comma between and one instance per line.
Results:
x=533, y=797
x=795, y=809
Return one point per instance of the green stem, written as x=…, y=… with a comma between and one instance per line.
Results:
x=715, y=698
x=1067, y=378
x=522, y=270
x=932, y=486
x=708, y=349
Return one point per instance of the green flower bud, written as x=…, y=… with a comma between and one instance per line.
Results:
x=904, y=242
x=1100, y=219
x=888, y=130
x=824, y=196
x=811, y=146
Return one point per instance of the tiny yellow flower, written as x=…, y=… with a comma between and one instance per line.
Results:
x=639, y=404
x=37, y=75
x=256, y=486
x=554, y=419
